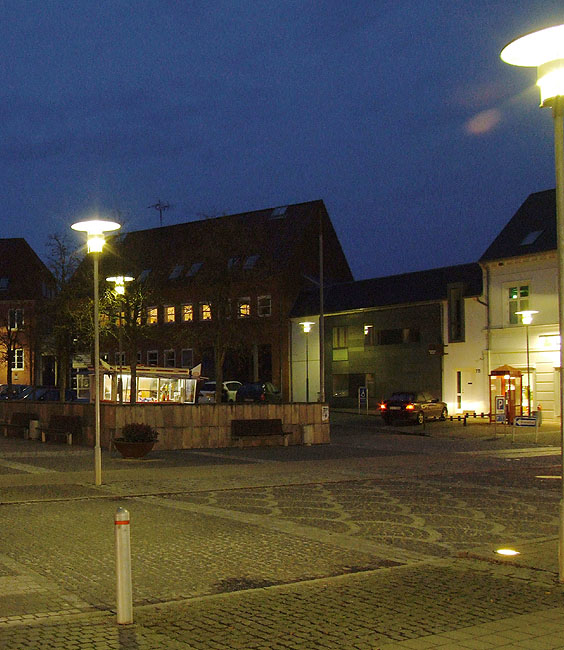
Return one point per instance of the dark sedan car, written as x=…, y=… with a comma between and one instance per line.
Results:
x=259, y=391
x=416, y=407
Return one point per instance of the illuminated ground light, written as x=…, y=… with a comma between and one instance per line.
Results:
x=507, y=551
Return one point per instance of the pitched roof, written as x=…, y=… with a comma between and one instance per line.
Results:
x=23, y=275
x=273, y=236
x=532, y=229
x=406, y=288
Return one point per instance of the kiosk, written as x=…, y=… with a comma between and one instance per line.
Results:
x=506, y=382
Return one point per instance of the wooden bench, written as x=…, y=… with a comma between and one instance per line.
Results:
x=62, y=426
x=269, y=429
x=19, y=423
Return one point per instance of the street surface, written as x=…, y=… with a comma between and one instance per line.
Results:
x=383, y=539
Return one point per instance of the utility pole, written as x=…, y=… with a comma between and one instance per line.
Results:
x=161, y=207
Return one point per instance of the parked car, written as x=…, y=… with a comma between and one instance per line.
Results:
x=417, y=407
x=259, y=391
x=15, y=391
x=48, y=394
x=228, y=393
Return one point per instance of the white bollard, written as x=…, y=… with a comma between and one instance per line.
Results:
x=123, y=568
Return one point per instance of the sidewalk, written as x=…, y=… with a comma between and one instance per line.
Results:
x=341, y=546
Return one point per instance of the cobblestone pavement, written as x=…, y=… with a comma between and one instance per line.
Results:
x=378, y=541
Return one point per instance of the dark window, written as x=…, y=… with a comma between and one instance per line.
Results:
x=339, y=337
x=390, y=337
x=455, y=314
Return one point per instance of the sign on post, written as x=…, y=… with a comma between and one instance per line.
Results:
x=500, y=415
x=362, y=397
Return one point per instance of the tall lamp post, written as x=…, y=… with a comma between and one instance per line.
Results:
x=95, y=230
x=119, y=287
x=527, y=319
x=307, y=329
x=544, y=50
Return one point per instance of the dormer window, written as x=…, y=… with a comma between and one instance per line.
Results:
x=194, y=269
x=532, y=237
x=279, y=213
x=144, y=275
x=233, y=262
x=176, y=271
x=250, y=262
x=4, y=283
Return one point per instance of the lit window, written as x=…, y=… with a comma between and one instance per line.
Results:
x=244, y=308
x=518, y=300
x=176, y=271
x=18, y=359
x=194, y=269
x=205, y=311
x=152, y=357
x=369, y=335
x=170, y=314
x=264, y=306
x=169, y=358
x=187, y=312
x=152, y=316
x=144, y=275
x=250, y=262
x=16, y=319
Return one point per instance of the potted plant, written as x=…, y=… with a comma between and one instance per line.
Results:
x=136, y=440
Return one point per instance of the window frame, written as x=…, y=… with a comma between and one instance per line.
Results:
x=167, y=314
x=521, y=303
x=156, y=353
x=243, y=308
x=261, y=304
x=205, y=311
x=151, y=315
x=18, y=359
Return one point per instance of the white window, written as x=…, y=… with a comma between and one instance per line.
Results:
x=517, y=296
x=244, y=307
x=152, y=315
x=205, y=311
x=169, y=358
x=152, y=357
x=169, y=314
x=16, y=318
x=264, y=305
x=187, y=312
x=18, y=359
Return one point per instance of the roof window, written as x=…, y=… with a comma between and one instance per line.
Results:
x=4, y=282
x=144, y=275
x=176, y=271
x=279, y=212
x=194, y=269
x=532, y=237
x=250, y=262
x=233, y=262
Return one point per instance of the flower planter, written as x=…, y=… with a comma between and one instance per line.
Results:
x=133, y=449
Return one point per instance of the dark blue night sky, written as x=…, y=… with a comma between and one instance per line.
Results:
x=399, y=115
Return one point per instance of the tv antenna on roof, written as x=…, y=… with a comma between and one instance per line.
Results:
x=161, y=207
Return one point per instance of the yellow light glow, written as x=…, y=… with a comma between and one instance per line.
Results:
x=527, y=315
x=535, y=49
x=507, y=551
x=119, y=282
x=551, y=84
x=95, y=229
x=307, y=326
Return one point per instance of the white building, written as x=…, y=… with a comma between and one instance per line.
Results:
x=521, y=273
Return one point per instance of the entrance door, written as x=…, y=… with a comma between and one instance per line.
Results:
x=467, y=391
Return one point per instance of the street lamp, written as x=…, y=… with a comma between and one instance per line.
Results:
x=544, y=50
x=527, y=319
x=95, y=230
x=119, y=287
x=307, y=329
